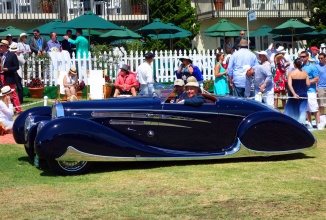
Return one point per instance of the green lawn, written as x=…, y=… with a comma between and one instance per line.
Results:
x=291, y=187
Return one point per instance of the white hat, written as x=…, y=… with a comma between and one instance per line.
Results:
x=179, y=82
x=185, y=58
x=245, y=69
x=22, y=35
x=6, y=90
x=13, y=47
x=323, y=45
x=262, y=53
x=192, y=81
x=280, y=49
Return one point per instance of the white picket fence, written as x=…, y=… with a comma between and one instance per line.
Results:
x=164, y=64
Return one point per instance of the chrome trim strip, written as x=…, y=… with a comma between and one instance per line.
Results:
x=154, y=110
x=144, y=115
x=72, y=154
x=149, y=123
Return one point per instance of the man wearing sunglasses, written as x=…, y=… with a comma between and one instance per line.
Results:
x=312, y=106
x=321, y=87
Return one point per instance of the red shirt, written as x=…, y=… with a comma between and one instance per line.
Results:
x=128, y=79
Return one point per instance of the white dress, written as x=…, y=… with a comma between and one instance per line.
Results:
x=6, y=115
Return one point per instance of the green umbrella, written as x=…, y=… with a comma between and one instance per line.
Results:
x=292, y=27
x=47, y=28
x=181, y=34
x=323, y=32
x=125, y=33
x=157, y=27
x=15, y=32
x=304, y=36
x=224, y=26
x=222, y=34
x=90, y=21
x=262, y=31
x=2, y=29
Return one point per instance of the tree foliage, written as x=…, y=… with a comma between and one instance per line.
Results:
x=177, y=12
x=318, y=20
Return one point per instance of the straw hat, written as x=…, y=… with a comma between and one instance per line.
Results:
x=73, y=70
x=185, y=58
x=192, y=81
x=13, y=47
x=262, y=53
x=243, y=43
x=6, y=90
x=179, y=82
x=4, y=42
x=22, y=35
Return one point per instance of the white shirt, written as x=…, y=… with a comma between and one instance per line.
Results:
x=23, y=47
x=5, y=112
x=145, y=73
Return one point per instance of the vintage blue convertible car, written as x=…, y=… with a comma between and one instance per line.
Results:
x=70, y=135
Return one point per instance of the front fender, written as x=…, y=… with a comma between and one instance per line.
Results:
x=18, y=127
x=274, y=132
x=53, y=139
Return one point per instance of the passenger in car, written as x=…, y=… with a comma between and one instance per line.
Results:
x=192, y=88
x=179, y=87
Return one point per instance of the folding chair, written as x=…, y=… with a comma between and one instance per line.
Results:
x=95, y=81
x=61, y=89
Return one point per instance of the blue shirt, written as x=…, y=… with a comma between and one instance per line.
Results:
x=322, y=76
x=52, y=44
x=312, y=73
x=262, y=75
x=237, y=61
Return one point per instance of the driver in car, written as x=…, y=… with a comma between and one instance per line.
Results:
x=192, y=88
x=179, y=87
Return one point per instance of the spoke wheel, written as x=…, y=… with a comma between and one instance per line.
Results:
x=69, y=167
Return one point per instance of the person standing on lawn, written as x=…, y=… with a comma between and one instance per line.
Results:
x=10, y=65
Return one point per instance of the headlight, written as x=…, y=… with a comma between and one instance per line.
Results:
x=40, y=125
x=57, y=111
x=29, y=122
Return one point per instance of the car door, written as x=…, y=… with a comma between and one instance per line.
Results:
x=187, y=128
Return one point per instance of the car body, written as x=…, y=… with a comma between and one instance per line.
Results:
x=70, y=135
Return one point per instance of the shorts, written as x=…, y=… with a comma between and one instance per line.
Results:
x=322, y=95
x=124, y=92
x=312, y=105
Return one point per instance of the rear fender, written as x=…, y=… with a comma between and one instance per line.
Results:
x=18, y=127
x=274, y=132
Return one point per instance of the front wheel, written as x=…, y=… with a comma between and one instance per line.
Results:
x=30, y=153
x=69, y=167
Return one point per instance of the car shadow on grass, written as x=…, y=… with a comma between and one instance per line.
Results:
x=99, y=167
x=102, y=167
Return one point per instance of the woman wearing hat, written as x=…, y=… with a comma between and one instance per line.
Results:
x=187, y=69
x=23, y=48
x=70, y=82
x=6, y=109
x=19, y=74
x=263, y=57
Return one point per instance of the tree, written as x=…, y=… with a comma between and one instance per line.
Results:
x=177, y=12
x=318, y=20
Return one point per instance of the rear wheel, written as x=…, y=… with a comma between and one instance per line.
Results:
x=69, y=167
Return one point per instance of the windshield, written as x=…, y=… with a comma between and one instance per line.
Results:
x=161, y=91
